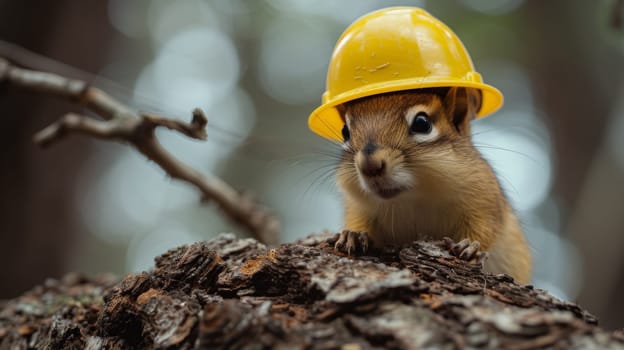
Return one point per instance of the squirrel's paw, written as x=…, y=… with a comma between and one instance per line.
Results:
x=351, y=242
x=466, y=250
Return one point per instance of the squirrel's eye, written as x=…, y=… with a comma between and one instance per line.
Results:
x=345, y=133
x=421, y=124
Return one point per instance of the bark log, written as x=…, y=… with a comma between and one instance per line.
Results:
x=237, y=293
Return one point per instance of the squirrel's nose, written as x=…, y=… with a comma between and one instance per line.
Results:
x=371, y=167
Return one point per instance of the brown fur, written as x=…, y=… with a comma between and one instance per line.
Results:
x=455, y=192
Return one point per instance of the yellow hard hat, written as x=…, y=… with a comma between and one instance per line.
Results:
x=395, y=49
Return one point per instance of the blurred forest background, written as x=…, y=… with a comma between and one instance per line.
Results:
x=257, y=68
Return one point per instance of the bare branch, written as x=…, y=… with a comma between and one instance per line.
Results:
x=74, y=123
x=121, y=123
x=196, y=129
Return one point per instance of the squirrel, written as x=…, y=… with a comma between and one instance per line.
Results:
x=409, y=171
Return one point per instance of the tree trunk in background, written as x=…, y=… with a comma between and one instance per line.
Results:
x=576, y=84
x=37, y=218
x=576, y=96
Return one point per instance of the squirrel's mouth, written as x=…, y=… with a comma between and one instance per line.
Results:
x=387, y=183
x=385, y=190
x=387, y=193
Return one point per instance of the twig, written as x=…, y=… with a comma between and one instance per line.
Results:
x=121, y=123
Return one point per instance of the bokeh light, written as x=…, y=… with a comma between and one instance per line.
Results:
x=314, y=202
x=128, y=17
x=519, y=157
x=293, y=60
x=195, y=67
x=558, y=265
x=127, y=197
x=166, y=19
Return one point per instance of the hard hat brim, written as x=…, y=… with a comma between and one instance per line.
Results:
x=327, y=122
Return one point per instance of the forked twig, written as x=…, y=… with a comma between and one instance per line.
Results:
x=121, y=123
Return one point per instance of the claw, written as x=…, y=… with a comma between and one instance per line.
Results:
x=458, y=248
x=363, y=239
x=352, y=242
x=470, y=251
x=466, y=250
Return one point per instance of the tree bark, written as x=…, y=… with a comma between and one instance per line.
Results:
x=237, y=293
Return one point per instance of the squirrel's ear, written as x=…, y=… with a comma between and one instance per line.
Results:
x=462, y=105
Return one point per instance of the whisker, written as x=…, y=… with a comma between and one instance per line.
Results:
x=498, y=148
x=320, y=180
x=499, y=128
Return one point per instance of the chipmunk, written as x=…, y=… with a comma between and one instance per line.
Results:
x=409, y=171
